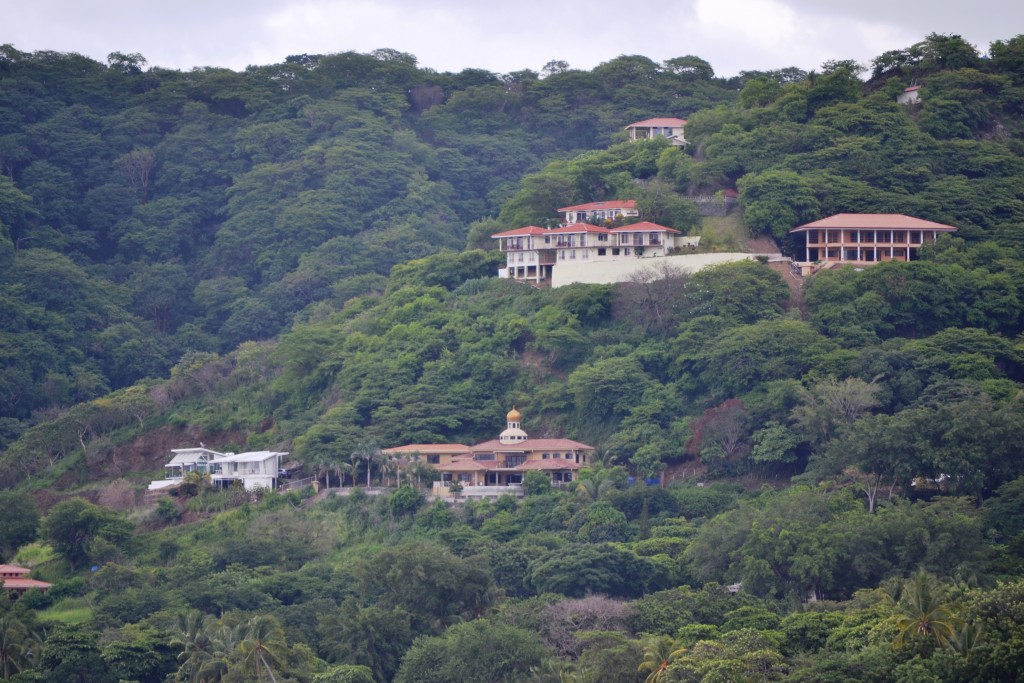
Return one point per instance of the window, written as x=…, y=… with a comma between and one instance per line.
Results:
x=434, y=459
x=546, y=456
x=585, y=254
x=514, y=460
x=572, y=255
x=626, y=251
x=601, y=252
x=484, y=456
x=899, y=236
x=615, y=252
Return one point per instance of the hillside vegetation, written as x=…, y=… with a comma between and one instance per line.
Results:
x=296, y=257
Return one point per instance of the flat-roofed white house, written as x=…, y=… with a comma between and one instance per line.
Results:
x=866, y=238
x=253, y=470
x=665, y=127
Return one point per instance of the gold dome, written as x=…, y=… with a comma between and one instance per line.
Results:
x=513, y=415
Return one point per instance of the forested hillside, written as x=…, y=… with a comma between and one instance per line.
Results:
x=295, y=258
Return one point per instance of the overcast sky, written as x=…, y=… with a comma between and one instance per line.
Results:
x=501, y=35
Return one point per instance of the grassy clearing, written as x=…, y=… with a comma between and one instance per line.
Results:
x=67, y=611
x=723, y=233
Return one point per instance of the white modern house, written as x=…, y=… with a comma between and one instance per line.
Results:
x=253, y=470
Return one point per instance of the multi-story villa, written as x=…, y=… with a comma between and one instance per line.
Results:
x=866, y=238
x=498, y=466
x=533, y=252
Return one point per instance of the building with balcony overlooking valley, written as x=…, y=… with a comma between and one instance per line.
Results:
x=865, y=239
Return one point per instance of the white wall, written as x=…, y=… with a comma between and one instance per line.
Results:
x=609, y=272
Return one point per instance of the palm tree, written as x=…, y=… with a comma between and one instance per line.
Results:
x=260, y=646
x=659, y=651
x=349, y=469
x=15, y=645
x=595, y=483
x=925, y=612
x=191, y=634
x=368, y=451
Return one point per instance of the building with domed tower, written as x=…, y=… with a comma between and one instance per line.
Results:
x=498, y=466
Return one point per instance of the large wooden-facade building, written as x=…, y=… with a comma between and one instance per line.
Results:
x=866, y=238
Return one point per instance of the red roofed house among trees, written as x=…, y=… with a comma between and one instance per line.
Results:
x=498, y=466
x=599, y=212
x=664, y=127
x=866, y=238
x=16, y=582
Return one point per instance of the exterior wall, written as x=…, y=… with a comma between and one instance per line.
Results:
x=621, y=269
x=595, y=215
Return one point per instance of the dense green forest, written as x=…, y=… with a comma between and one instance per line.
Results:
x=297, y=257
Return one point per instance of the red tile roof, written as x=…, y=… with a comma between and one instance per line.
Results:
x=13, y=570
x=518, y=232
x=425, y=448
x=468, y=465
x=645, y=226
x=576, y=228
x=532, y=445
x=598, y=206
x=24, y=584
x=883, y=221
x=912, y=88
x=658, y=123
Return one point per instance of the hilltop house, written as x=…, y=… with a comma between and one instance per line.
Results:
x=15, y=581
x=498, y=466
x=532, y=253
x=253, y=470
x=660, y=127
x=866, y=238
x=911, y=95
x=599, y=212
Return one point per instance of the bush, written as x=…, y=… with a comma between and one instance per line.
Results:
x=406, y=500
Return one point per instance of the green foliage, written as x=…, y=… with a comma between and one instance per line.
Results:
x=77, y=529
x=474, y=651
x=19, y=522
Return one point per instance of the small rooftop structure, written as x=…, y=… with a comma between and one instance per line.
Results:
x=911, y=95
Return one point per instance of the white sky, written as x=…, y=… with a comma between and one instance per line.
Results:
x=501, y=35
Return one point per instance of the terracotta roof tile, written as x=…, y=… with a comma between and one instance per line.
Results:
x=532, y=445
x=518, y=232
x=658, y=123
x=429, y=448
x=576, y=228
x=13, y=570
x=884, y=221
x=599, y=206
x=21, y=584
x=645, y=226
